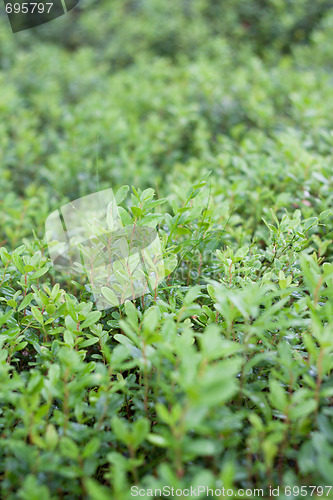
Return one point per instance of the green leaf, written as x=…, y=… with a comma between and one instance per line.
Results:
x=121, y=194
x=97, y=491
x=309, y=223
x=39, y=273
x=32, y=490
x=126, y=219
x=303, y=409
x=214, y=346
x=91, y=447
x=92, y=318
x=120, y=428
x=323, y=215
x=277, y=395
x=69, y=448
x=136, y=211
x=71, y=308
x=241, y=253
x=50, y=309
x=51, y=436
x=192, y=295
x=131, y=313
x=158, y=440
x=110, y=296
x=151, y=319
x=69, y=338
x=140, y=431
x=201, y=447
x=87, y=343
x=37, y=314
x=18, y=262
x=12, y=303
x=163, y=413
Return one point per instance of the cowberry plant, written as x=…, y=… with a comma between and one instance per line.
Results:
x=222, y=381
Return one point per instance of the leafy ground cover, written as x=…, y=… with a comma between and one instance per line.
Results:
x=222, y=117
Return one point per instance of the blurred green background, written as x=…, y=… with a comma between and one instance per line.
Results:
x=156, y=94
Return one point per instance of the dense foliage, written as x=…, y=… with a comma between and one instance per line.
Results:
x=219, y=113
